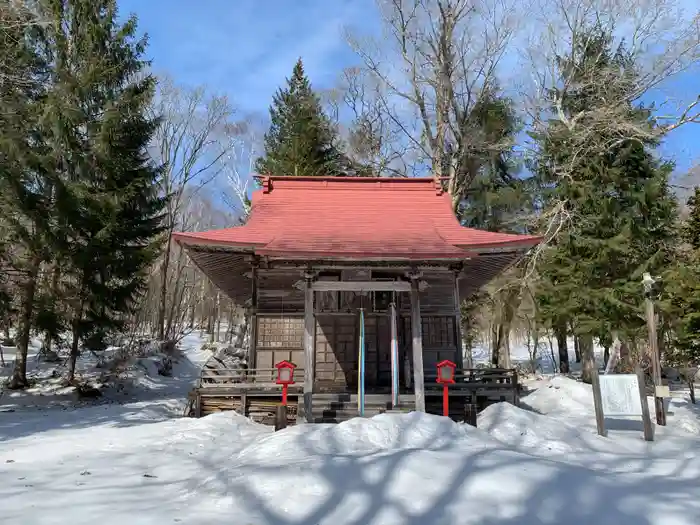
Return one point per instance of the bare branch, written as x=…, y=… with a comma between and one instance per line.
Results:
x=436, y=62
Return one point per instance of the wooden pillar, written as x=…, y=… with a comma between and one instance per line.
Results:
x=252, y=348
x=458, y=324
x=395, y=364
x=655, y=360
x=418, y=382
x=308, y=349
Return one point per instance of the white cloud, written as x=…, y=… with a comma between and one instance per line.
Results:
x=248, y=47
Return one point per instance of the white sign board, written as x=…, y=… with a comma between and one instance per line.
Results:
x=620, y=393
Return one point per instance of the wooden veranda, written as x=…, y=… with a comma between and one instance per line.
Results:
x=321, y=261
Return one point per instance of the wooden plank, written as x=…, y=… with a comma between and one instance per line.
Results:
x=335, y=349
x=361, y=286
x=438, y=294
x=248, y=387
x=418, y=383
x=309, y=347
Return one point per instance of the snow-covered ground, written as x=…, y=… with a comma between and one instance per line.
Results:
x=138, y=381
x=137, y=463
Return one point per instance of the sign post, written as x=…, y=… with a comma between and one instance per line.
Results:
x=624, y=395
x=659, y=390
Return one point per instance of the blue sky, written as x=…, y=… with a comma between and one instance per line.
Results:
x=246, y=48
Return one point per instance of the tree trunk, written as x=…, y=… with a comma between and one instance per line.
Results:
x=193, y=310
x=691, y=387
x=218, y=317
x=586, y=345
x=164, y=287
x=495, y=344
x=505, y=354
x=468, y=352
x=211, y=313
x=55, y=280
x=74, y=349
x=606, y=353
x=231, y=318
x=560, y=332
x=577, y=348
x=19, y=373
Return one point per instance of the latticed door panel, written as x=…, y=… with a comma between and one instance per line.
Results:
x=279, y=338
x=438, y=336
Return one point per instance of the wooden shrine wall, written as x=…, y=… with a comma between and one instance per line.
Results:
x=280, y=327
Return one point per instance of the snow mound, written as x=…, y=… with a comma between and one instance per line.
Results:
x=537, y=433
x=684, y=415
x=569, y=400
x=359, y=436
x=388, y=470
x=562, y=396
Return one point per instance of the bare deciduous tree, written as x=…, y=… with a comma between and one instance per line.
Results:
x=16, y=17
x=239, y=167
x=191, y=143
x=374, y=140
x=662, y=41
x=436, y=62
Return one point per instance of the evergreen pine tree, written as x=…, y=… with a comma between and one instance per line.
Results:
x=680, y=295
x=301, y=140
x=495, y=200
x=619, y=210
x=108, y=211
x=496, y=196
x=25, y=176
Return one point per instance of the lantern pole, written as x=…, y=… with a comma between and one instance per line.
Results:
x=445, y=401
x=284, y=394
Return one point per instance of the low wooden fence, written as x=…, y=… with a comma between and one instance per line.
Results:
x=240, y=390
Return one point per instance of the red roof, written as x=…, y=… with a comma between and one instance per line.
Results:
x=355, y=217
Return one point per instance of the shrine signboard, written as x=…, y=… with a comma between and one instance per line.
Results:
x=620, y=393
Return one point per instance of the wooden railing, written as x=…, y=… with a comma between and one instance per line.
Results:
x=212, y=377
x=479, y=380
x=236, y=389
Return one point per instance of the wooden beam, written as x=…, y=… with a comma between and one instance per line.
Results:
x=252, y=351
x=458, y=324
x=418, y=372
x=379, y=265
x=361, y=286
x=308, y=349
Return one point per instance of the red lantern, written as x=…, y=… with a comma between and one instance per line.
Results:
x=285, y=377
x=445, y=376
